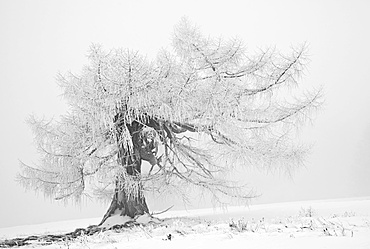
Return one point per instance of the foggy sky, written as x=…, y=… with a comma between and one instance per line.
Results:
x=41, y=38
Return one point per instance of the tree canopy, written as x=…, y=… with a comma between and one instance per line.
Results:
x=194, y=113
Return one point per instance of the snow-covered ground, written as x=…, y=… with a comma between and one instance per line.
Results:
x=342, y=223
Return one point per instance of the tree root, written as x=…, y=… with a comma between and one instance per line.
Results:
x=90, y=230
x=51, y=238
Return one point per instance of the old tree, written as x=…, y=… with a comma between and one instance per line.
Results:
x=194, y=113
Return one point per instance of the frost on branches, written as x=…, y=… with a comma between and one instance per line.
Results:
x=193, y=113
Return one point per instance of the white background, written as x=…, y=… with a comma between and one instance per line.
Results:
x=38, y=39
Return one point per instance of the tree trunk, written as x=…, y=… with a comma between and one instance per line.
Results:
x=126, y=204
x=123, y=203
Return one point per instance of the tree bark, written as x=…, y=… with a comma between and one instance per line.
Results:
x=126, y=204
x=123, y=203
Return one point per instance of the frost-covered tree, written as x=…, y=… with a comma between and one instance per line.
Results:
x=193, y=114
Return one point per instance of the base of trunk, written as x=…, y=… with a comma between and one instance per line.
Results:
x=124, y=205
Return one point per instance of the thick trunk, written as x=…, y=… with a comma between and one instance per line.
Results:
x=126, y=204
x=123, y=203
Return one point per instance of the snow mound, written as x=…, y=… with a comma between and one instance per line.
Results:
x=116, y=219
x=119, y=220
x=316, y=224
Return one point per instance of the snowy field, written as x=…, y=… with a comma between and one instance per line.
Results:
x=342, y=223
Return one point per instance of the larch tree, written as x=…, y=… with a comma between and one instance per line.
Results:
x=194, y=114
